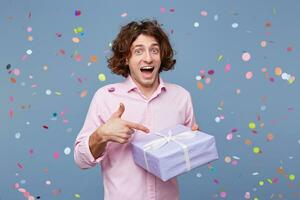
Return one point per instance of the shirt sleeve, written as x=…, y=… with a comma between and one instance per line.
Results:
x=189, y=112
x=82, y=153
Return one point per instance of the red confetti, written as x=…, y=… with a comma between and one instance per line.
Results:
x=77, y=12
x=45, y=127
x=20, y=166
x=211, y=72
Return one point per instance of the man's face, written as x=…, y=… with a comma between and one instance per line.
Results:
x=145, y=61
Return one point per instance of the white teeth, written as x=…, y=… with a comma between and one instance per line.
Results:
x=147, y=67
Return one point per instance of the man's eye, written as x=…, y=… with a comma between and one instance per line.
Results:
x=138, y=51
x=156, y=51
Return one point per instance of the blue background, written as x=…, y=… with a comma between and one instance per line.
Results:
x=28, y=148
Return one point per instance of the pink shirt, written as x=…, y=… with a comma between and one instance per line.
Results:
x=169, y=105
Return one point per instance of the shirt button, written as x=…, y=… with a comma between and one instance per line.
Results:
x=111, y=89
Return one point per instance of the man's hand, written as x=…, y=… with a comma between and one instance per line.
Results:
x=117, y=129
x=195, y=127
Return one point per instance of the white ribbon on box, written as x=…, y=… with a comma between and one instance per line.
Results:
x=158, y=143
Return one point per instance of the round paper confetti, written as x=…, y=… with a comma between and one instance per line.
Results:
x=48, y=92
x=29, y=51
x=223, y=194
x=292, y=177
x=235, y=25
x=101, y=77
x=198, y=78
x=263, y=44
x=249, y=75
x=252, y=125
x=227, y=159
x=77, y=196
x=196, y=24
x=200, y=85
x=203, y=13
x=124, y=14
x=18, y=135
x=246, y=56
x=75, y=40
x=199, y=175
x=67, y=150
x=48, y=182
x=256, y=150
x=29, y=29
x=261, y=183
x=278, y=71
x=30, y=38
x=216, y=17
x=55, y=155
x=217, y=119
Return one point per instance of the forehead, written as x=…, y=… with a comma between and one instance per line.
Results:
x=144, y=40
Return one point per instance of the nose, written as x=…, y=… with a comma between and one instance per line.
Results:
x=148, y=57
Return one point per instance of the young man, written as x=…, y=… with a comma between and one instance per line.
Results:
x=122, y=111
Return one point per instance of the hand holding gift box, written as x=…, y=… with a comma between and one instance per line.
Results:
x=173, y=151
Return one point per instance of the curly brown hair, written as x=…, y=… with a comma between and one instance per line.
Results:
x=128, y=34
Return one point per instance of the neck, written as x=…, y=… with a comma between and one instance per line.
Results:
x=148, y=91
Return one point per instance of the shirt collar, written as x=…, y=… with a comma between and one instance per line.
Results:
x=129, y=85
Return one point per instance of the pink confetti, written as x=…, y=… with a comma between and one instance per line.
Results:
x=223, y=194
x=20, y=166
x=249, y=75
x=172, y=10
x=21, y=190
x=227, y=67
x=11, y=98
x=246, y=56
x=204, y=13
x=162, y=9
x=56, y=155
x=229, y=136
x=11, y=113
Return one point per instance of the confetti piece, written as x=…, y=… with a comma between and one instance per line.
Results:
x=124, y=14
x=216, y=17
x=77, y=12
x=220, y=57
x=227, y=159
x=162, y=9
x=67, y=150
x=13, y=80
x=48, y=92
x=172, y=10
x=200, y=85
x=247, y=195
x=203, y=13
x=270, y=137
x=235, y=25
x=289, y=49
x=93, y=58
x=223, y=194
x=29, y=29
x=83, y=93
x=252, y=125
x=30, y=38
x=20, y=166
x=292, y=177
x=256, y=150
x=227, y=68
x=263, y=44
x=78, y=29
x=196, y=24
x=278, y=71
x=102, y=77
x=77, y=196
x=45, y=127
x=249, y=75
x=261, y=183
x=18, y=135
x=75, y=40
x=11, y=113
x=246, y=56
x=55, y=155
x=29, y=51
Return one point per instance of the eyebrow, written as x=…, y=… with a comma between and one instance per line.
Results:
x=140, y=45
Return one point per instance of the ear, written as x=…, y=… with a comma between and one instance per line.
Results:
x=126, y=62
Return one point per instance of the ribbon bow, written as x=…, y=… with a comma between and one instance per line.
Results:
x=160, y=142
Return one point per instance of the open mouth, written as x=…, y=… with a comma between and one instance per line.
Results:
x=147, y=69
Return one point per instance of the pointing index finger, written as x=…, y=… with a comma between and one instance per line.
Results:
x=137, y=126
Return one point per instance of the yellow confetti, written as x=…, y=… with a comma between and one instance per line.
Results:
x=102, y=77
x=77, y=196
x=252, y=125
